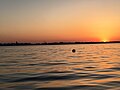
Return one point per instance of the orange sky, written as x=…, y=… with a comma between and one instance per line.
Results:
x=59, y=20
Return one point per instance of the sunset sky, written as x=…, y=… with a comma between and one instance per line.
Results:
x=59, y=20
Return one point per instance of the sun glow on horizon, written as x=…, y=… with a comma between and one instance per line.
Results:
x=105, y=40
x=59, y=20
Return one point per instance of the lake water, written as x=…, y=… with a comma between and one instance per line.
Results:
x=92, y=67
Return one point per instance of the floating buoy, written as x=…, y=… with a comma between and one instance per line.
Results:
x=73, y=50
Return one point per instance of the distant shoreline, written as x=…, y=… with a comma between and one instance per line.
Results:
x=55, y=43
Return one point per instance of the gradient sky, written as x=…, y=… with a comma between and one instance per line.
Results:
x=59, y=20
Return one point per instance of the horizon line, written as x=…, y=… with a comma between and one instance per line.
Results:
x=55, y=43
x=59, y=41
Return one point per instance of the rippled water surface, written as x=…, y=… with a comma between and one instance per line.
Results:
x=92, y=67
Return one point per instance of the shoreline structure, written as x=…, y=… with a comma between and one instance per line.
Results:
x=54, y=43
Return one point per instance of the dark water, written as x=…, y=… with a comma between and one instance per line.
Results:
x=92, y=67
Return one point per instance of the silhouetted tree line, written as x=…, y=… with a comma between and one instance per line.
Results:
x=54, y=43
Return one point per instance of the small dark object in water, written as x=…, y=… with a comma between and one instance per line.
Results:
x=73, y=50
